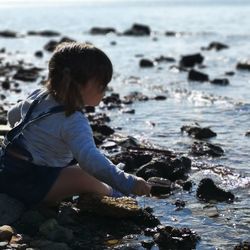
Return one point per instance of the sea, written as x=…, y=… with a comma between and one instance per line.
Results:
x=225, y=109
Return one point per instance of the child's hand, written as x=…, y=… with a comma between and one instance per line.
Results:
x=141, y=187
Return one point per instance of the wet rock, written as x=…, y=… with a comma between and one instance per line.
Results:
x=190, y=61
x=160, y=186
x=205, y=148
x=211, y=211
x=161, y=59
x=148, y=244
x=101, y=31
x=168, y=237
x=160, y=97
x=229, y=73
x=2, y=50
x=245, y=245
x=8, y=34
x=243, y=65
x=207, y=191
x=46, y=33
x=128, y=111
x=138, y=30
x=6, y=233
x=216, y=46
x=136, y=96
x=39, y=54
x=146, y=63
x=113, y=98
x=198, y=76
x=179, y=203
x=198, y=132
x=171, y=33
x=6, y=84
x=27, y=75
x=10, y=209
x=102, y=129
x=55, y=232
x=187, y=186
x=222, y=81
x=247, y=133
x=166, y=167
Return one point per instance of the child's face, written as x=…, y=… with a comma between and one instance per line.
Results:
x=92, y=93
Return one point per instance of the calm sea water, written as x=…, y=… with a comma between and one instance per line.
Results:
x=225, y=109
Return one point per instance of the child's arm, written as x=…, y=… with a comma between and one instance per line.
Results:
x=77, y=134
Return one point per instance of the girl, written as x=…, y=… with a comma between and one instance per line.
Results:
x=50, y=130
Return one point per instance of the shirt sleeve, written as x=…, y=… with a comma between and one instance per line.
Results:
x=14, y=114
x=78, y=135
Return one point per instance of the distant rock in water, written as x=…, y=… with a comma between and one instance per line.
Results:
x=243, y=65
x=27, y=75
x=8, y=34
x=245, y=245
x=198, y=132
x=205, y=148
x=46, y=33
x=247, y=133
x=146, y=63
x=207, y=191
x=198, y=76
x=101, y=31
x=216, y=45
x=190, y=61
x=161, y=59
x=222, y=81
x=138, y=30
x=51, y=45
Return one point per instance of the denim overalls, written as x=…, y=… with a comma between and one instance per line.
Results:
x=19, y=176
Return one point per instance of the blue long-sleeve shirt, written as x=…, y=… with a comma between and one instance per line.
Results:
x=56, y=139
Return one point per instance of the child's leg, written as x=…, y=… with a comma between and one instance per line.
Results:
x=73, y=181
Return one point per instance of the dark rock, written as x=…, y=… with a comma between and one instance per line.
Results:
x=217, y=46
x=168, y=237
x=46, y=33
x=102, y=129
x=160, y=97
x=114, y=98
x=204, y=148
x=179, y=203
x=247, y=133
x=135, y=96
x=128, y=111
x=8, y=34
x=138, y=30
x=189, y=61
x=245, y=245
x=164, y=59
x=6, y=84
x=198, y=76
x=222, y=82
x=39, y=54
x=89, y=109
x=147, y=244
x=132, y=160
x=160, y=186
x=243, y=65
x=229, y=73
x=187, y=186
x=101, y=31
x=168, y=168
x=207, y=190
x=146, y=63
x=198, y=132
x=171, y=33
x=2, y=50
x=27, y=75
x=113, y=43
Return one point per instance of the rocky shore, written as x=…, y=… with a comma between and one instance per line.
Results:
x=89, y=222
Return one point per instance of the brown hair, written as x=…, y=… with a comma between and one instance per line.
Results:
x=72, y=65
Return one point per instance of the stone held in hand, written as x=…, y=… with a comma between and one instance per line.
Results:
x=160, y=186
x=207, y=190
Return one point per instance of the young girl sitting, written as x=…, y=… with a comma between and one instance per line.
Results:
x=50, y=130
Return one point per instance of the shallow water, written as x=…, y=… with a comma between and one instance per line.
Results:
x=226, y=109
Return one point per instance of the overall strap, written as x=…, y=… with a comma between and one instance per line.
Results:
x=15, y=132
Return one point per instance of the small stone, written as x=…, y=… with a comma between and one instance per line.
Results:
x=146, y=63
x=6, y=233
x=198, y=76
